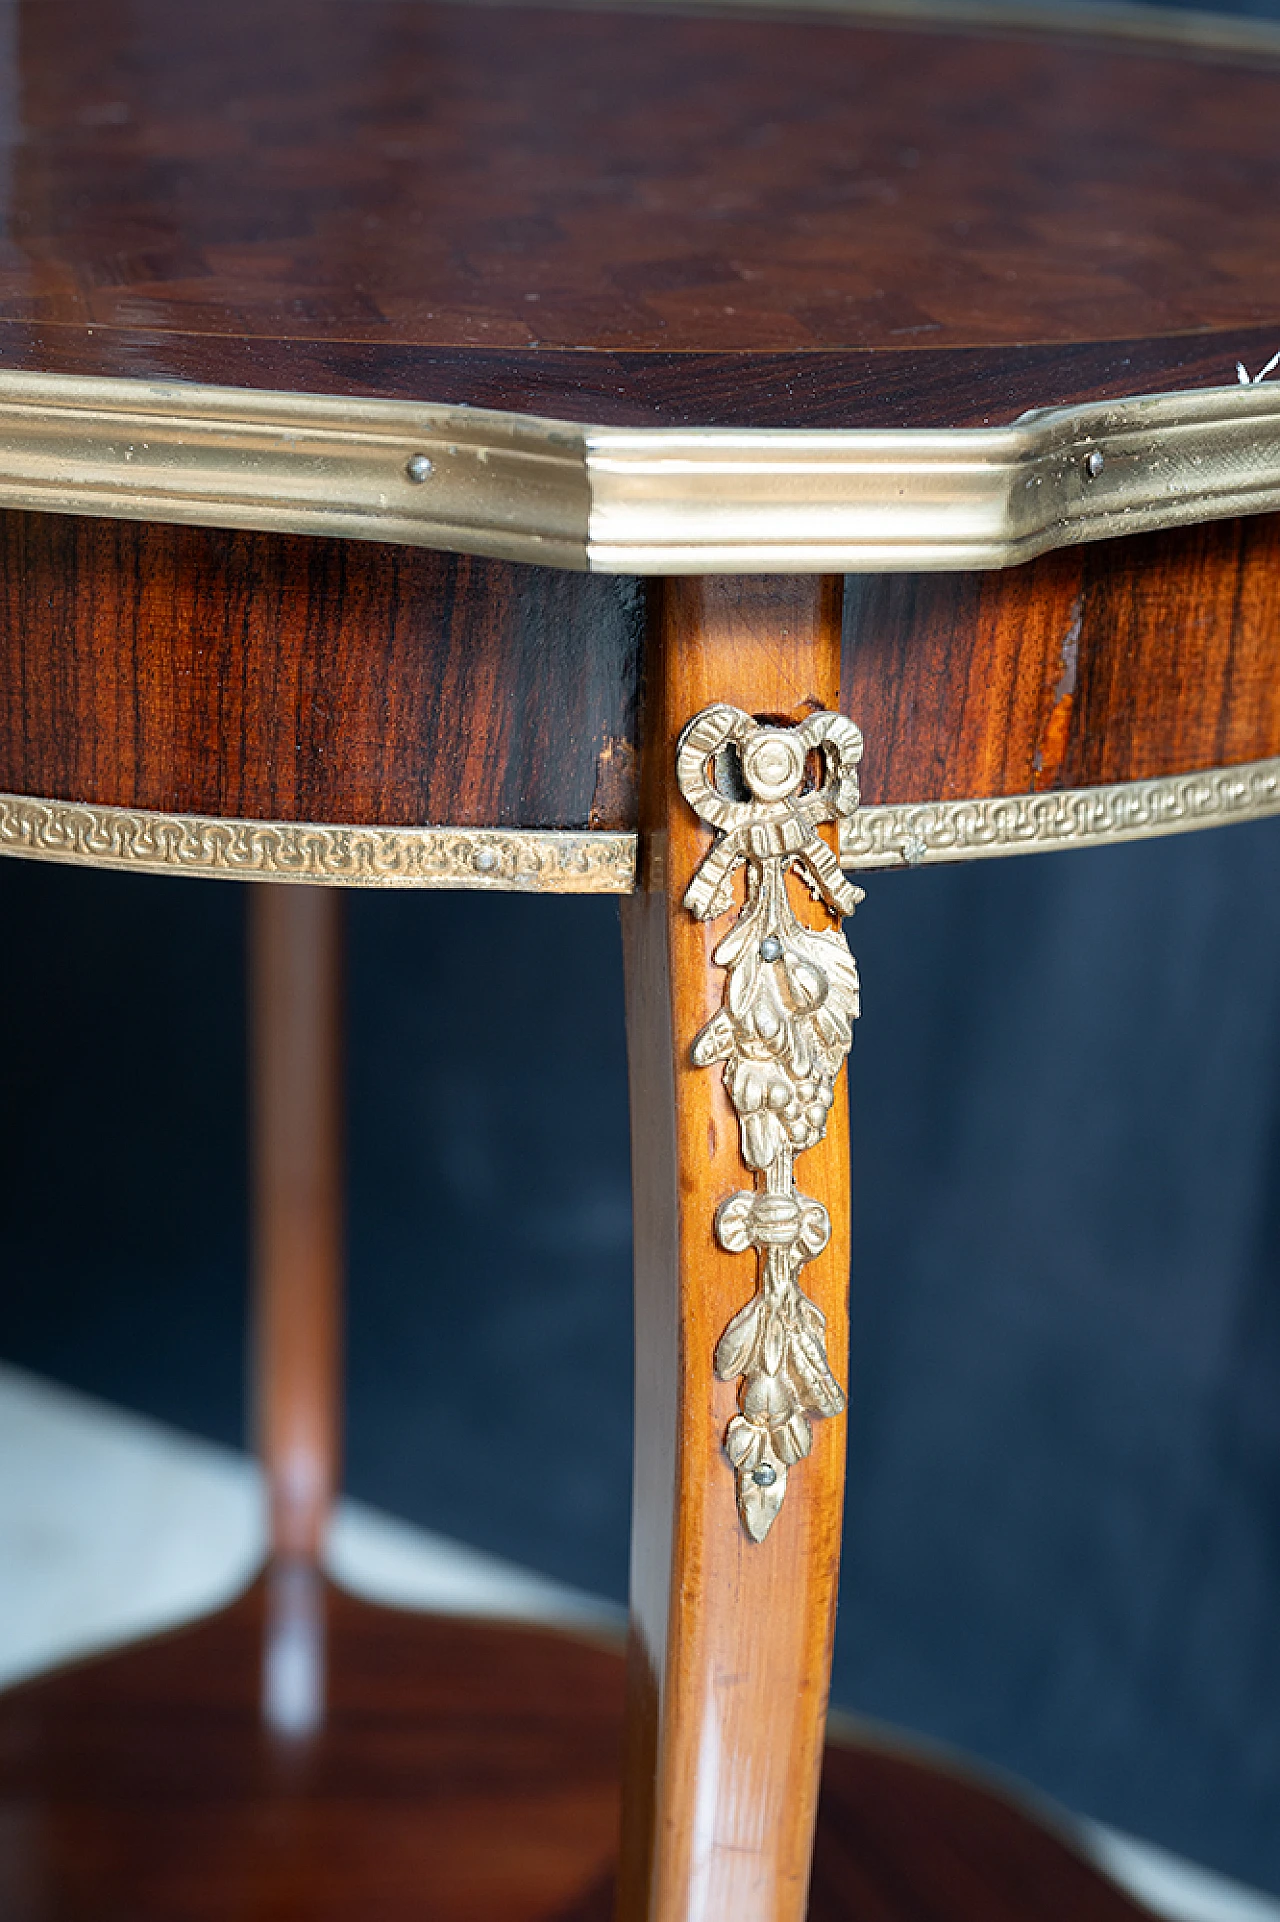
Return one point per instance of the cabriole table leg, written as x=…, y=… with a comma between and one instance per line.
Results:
x=734, y=1562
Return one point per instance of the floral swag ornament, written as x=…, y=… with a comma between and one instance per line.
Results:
x=783, y=1032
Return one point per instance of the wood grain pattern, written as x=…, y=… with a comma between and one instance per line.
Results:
x=730, y=1639
x=285, y=678
x=1113, y=662
x=880, y=387
x=435, y=201
x=294, y=679
x=467, y=1773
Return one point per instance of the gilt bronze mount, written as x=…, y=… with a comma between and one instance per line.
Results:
x=783, y=1031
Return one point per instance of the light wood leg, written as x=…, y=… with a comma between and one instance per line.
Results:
x=731, y=1637
x=295, y=970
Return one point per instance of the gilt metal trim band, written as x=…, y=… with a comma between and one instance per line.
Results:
x=637, y=501
x=917, y=834
x=524, y=859
x=569, y=861
x=784, y=1028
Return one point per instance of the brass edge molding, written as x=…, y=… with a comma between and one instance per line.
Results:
x=827, y=501
x=465, y=479
x=781, y=1034
x=916, y=834
x=637, y=501
x=542, y=860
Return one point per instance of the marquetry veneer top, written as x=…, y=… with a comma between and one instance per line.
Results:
x=637, y=217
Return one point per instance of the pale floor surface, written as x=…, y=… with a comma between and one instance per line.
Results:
x=112, y=1526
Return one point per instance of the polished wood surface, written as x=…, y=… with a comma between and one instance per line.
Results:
x=466, y=1773
x=612, y=215
x=899, y=1838
x=1114, y=662
x=277, y=677
x=463, y=1771
x=297, y=1131
x=286, y=678
x=296, y=969
x=731, y=1639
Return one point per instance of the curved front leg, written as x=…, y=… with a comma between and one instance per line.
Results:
x=740, y=995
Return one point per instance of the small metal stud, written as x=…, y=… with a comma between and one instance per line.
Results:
x=418, y=467
x=1094, y=464
x=764, y=1476
x=485, y=859
x=771, y=948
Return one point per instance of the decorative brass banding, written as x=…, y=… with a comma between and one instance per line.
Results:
x=916, y=834
x=521, y=859
x=637, y=501
x=572, y=861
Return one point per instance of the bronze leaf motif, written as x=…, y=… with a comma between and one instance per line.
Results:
x=782, y=1033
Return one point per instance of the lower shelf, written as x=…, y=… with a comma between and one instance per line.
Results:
x=466, y=1772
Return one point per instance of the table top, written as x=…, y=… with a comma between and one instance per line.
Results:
x=634, y=217
x=341, y=222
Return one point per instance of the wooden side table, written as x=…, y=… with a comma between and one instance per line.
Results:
x=672, y=455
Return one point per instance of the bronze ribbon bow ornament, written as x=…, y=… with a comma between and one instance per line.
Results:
x=783, y=1031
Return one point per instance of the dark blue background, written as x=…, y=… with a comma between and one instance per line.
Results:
x=1063, y=1531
